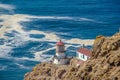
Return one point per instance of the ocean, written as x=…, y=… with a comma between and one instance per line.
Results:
x=29, y=30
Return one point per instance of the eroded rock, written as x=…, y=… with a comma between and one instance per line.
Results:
x=103, y=65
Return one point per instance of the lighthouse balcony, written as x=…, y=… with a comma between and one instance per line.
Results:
x=61, y=54
x=60, y=51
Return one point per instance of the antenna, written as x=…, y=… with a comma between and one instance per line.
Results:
x=83, y=46
x=60, y=40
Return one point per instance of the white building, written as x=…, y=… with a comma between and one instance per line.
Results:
x=60, y=56
x=83, y=54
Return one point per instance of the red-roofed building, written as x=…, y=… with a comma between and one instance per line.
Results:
x=83, y=54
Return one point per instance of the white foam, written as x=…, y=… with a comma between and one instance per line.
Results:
x=48, y=36
x=8, y=46
x=25, y=58
x=90, y=20
x=4, y=50
x=10, y=8
x=11, y=22
x=3, y=68
x=61, y=33
x=87, y=42
x=22, y=66
x=38, y=55
x=7, y=7
x=45, y=58
x=51, y=17
x=86, y=19
x=64, y=18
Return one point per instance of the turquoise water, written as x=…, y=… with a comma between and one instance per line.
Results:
x=31, y=28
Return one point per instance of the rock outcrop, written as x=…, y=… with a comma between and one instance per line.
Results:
x=103, y=65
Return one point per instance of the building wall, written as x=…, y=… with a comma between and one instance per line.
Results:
x=60, y=48
x=61, y=61
x=82, y=56
x=62, y=55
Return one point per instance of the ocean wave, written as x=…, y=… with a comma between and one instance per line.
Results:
x=4, y=50
x=86, y=42
x=24, y=58
x=64, y=18
x=51, y=17
x=48, y=36
x=2, y=67
x=87, y=19
x=39, y=55
x=8, y=7
x=90, y=20
x=22, y=66
x=45, y=58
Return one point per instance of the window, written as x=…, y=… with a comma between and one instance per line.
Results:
x=82, y=56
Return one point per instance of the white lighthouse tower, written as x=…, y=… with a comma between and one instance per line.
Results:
x=60, y=56
x=60, y=49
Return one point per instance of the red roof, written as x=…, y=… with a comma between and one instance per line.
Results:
x=85, y=51
x=60, y=43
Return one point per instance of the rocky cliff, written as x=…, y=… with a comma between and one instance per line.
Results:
x=103, y=65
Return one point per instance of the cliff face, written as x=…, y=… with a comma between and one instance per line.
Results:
x=103, y=65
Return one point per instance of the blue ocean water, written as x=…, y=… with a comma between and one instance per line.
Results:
x=29, y=30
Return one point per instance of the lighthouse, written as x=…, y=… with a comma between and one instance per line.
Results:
x=60, y=49
x=60, y=56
